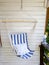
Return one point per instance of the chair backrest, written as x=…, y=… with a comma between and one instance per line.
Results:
x=18, y=38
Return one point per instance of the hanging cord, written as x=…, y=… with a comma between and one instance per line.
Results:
x=34, y=26
x=33, y=21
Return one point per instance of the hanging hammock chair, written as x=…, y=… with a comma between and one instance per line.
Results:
x=19, y=39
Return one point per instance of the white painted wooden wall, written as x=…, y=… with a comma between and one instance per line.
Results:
x=21, y=10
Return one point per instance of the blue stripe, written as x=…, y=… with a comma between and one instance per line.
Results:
x=17, y=39
x=27, y=43
x=14, y=39
x=26, y=38
x=27, y=55
x=11, y=39
x=29, y=49
x=30, y=53
x=21, y=38
x=11, y=36
x=22, y=57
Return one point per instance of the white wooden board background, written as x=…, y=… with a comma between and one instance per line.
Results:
x=11, y=10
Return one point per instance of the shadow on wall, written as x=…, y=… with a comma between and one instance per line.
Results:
x=0, y=42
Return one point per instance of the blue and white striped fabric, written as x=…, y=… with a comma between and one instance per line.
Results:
x=20, y=42
x=19, y=38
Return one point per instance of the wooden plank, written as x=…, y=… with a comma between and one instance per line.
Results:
x=33, y=1
x=10, y=6
x=32, y=4
x=10, y=1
